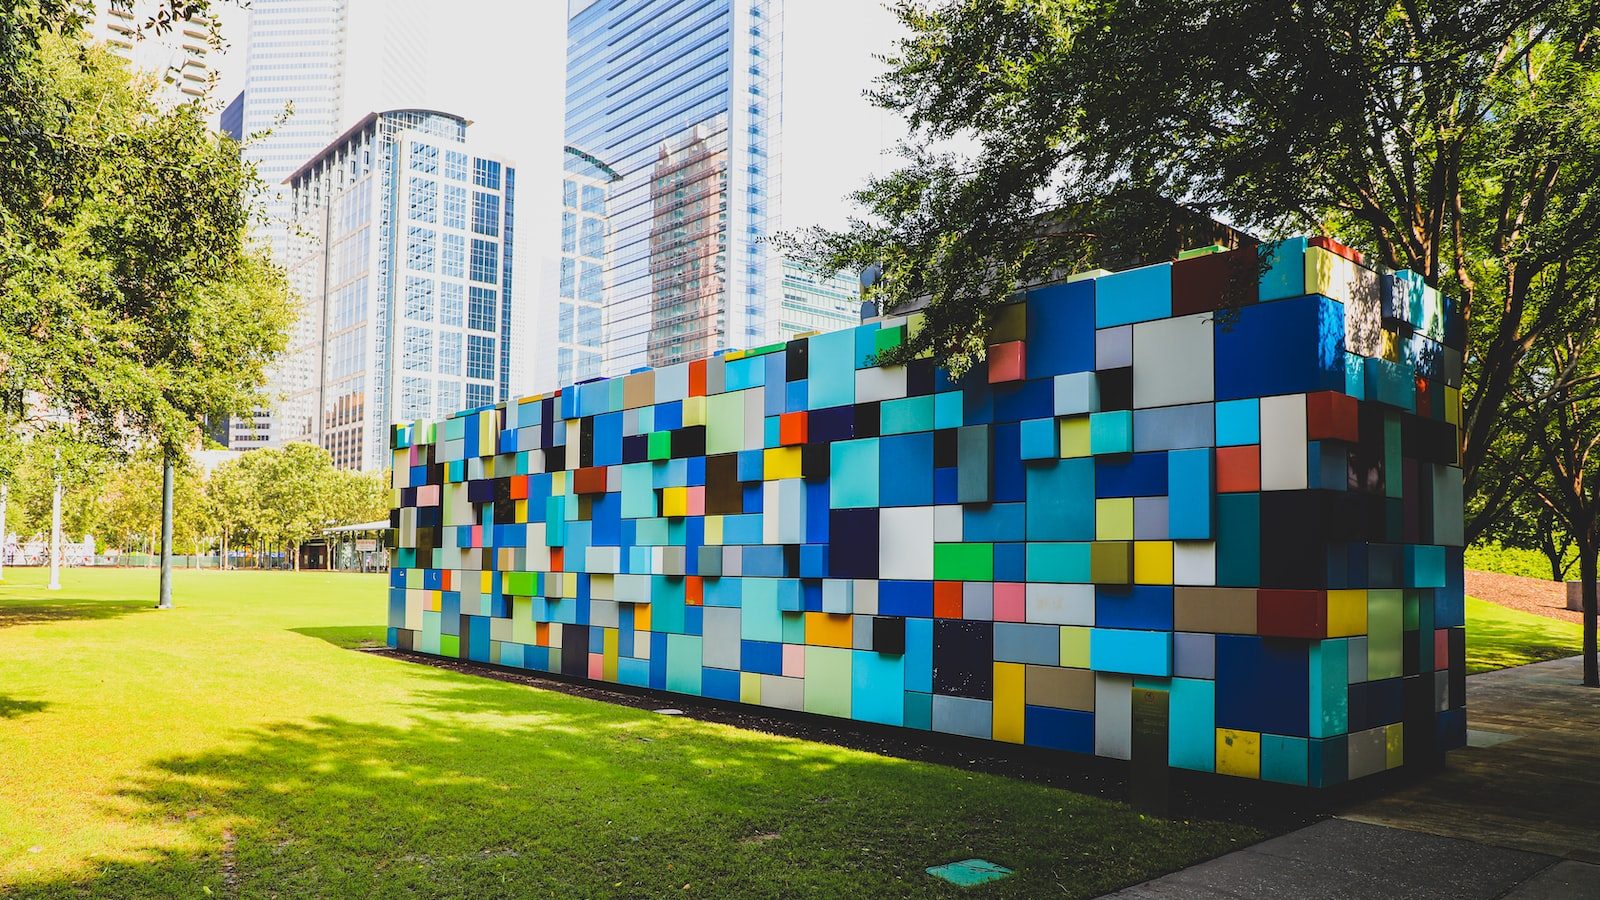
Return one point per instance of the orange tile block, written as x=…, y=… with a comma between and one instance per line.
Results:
x=694, y=592
x=947, y=599
x=828, y=630
x=1238, y=469
x=792, y=429
x=1007, y=362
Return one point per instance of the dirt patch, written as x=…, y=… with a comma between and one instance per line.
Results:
x=1529, y=595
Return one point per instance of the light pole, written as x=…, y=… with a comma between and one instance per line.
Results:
x=166, y=532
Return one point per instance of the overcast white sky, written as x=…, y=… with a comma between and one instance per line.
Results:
x=501, y=63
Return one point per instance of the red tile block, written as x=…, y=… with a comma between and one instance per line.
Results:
x=694, y=591
x=947, y=599
x=1332, y=416
x=1007, y=362
x=697, y=378
x=589, y=481
x=1291, y=614
x=1239, y=469
x=1441, y=649
x=519, y=487
x=792, y=429
x=1334, y=247
x=1202, y=283
x=558, y=558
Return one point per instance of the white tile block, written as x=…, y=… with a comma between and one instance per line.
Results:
x=880, y=384
x=947, y=524
x=1194, y=563
x=1060, y=604
x=905, y=543
x=1283, y=443
x=1113, y=716
x=1172, y=361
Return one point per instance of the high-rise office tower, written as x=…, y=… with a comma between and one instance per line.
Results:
x=404, y=234
x=814, y=302
x=179, y=56
x=680, y=101
x=313, y=67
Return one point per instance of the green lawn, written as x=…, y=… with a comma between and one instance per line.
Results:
x=232, y=747
x=1498, y=637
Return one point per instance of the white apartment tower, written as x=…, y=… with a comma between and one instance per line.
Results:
x=178, y=55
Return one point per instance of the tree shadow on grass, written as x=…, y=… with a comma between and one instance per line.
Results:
x=13, y=708
x=497, y=790
x=32, y=611
x=348, y=637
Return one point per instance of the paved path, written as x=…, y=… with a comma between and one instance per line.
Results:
x=1516, y=814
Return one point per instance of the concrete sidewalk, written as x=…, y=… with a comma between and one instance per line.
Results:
x=1515, y=815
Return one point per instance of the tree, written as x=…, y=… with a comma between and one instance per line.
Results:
x=1454, y=139
x=292, y=497
x=130, y=512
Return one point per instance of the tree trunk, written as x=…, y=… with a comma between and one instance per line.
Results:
x=55, y=531
x=1588, y=559
x=294, y=556
x=166, y=531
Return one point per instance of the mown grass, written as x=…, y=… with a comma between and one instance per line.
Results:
x=233, y=747
x=1499, y=637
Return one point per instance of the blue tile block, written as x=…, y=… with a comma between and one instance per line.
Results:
x=877, y=687
x=814, y=560
x=1024, y=400
x=1061, y=501
x=905, y=467
x=1138, y=475
x=992, y=522
x=1285, y=276
x=946, y=486
x=1190, y=483
x=1263, y=684
x=1040, y=439
x=1131, y=652
x=1174, y=427
x=1191, y=731
x=919, y=655
x=764, y=657
x=1061, y=329
x=1010, y=562
x=1010, y=475
x=1136, y=295
x=1058, y=729
x=1287, y=347
x=1238, y=423
x=1146, y=606
x=906, y=598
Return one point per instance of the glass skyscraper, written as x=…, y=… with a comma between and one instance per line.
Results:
x=403, y=258
x=580, y=335
x=812, y=302
x=679, y=100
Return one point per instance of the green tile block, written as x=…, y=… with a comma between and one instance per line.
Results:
x=520, y=584
x=1385, y=634
x=963, y=562
x=1111, y=432
x=794, y=625
x=660, y=445
x=888, y=338
x=827, y=688
x=450, y=645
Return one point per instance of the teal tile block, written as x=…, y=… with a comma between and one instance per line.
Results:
x=1329, y=669
x=1190, y=482
x=1391, y=383
x=918, y=711
x=1238, y=423
x=832, y=370
x=1425, y=566
x=1130, y=652
x=1238, y=540
x=919, y=656
x=866, y=344
x=769, y=432
x=794, y=628
x=1058, y=563
x=1355, y=375
x=1285, y=276
x=906, y=415
x=741, y=374
x=633, y=672
x=877, y=688
x=974, y=464
x=1061, y=500
x=947, y=410
x=1192, y=723
x=1040, y=439
x=684, y=663
x=1136, y=295
x=1284, y=759
x=638, y=491
x=1111, y=432
x=853, y=474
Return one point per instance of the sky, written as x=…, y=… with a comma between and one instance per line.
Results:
x=501, y=64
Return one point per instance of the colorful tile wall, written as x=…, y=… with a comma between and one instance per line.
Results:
x=1258, y=510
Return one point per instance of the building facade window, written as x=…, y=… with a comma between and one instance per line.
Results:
x=480, y=308
x=451, y=304
x=419, y=249
x=453, y=256
x=486, y=213
x=485, y=261
x=419, y=298
x=455, y=165
x=486, y=174
x=424, y=158
x=423, y=202
x=480, y=358
x=417, y=349
x=455, y=207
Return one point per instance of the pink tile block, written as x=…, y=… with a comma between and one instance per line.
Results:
x=1010, y=602
x=477, y=535
x=428, y=495
x=794, y=660
x=697, y=501
x=1007, y=362
x=597, y=666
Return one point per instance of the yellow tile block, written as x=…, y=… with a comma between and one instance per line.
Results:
x=569, y=584
x=749, y=687
x=555, y=636
x=1152, y=562
x=1394, y=745
x=608, y=654
x=1009, y=323
x=641, y=617
x=1074, y=647
x=558, y=482
x=1009, y=681
x=780, y=462
x=675, y=501
x=1074, y=437
x=486, y=582
x=713, y=530
x=435, y=601
x=1113, y=519
x=522, y=512
x=1390, y=348
x=1239, y=753
x=1347, y=613
x=694, y=411
x=523, y=629
x=1452, y=405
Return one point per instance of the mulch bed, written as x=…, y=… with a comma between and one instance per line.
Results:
x=1529, y=595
